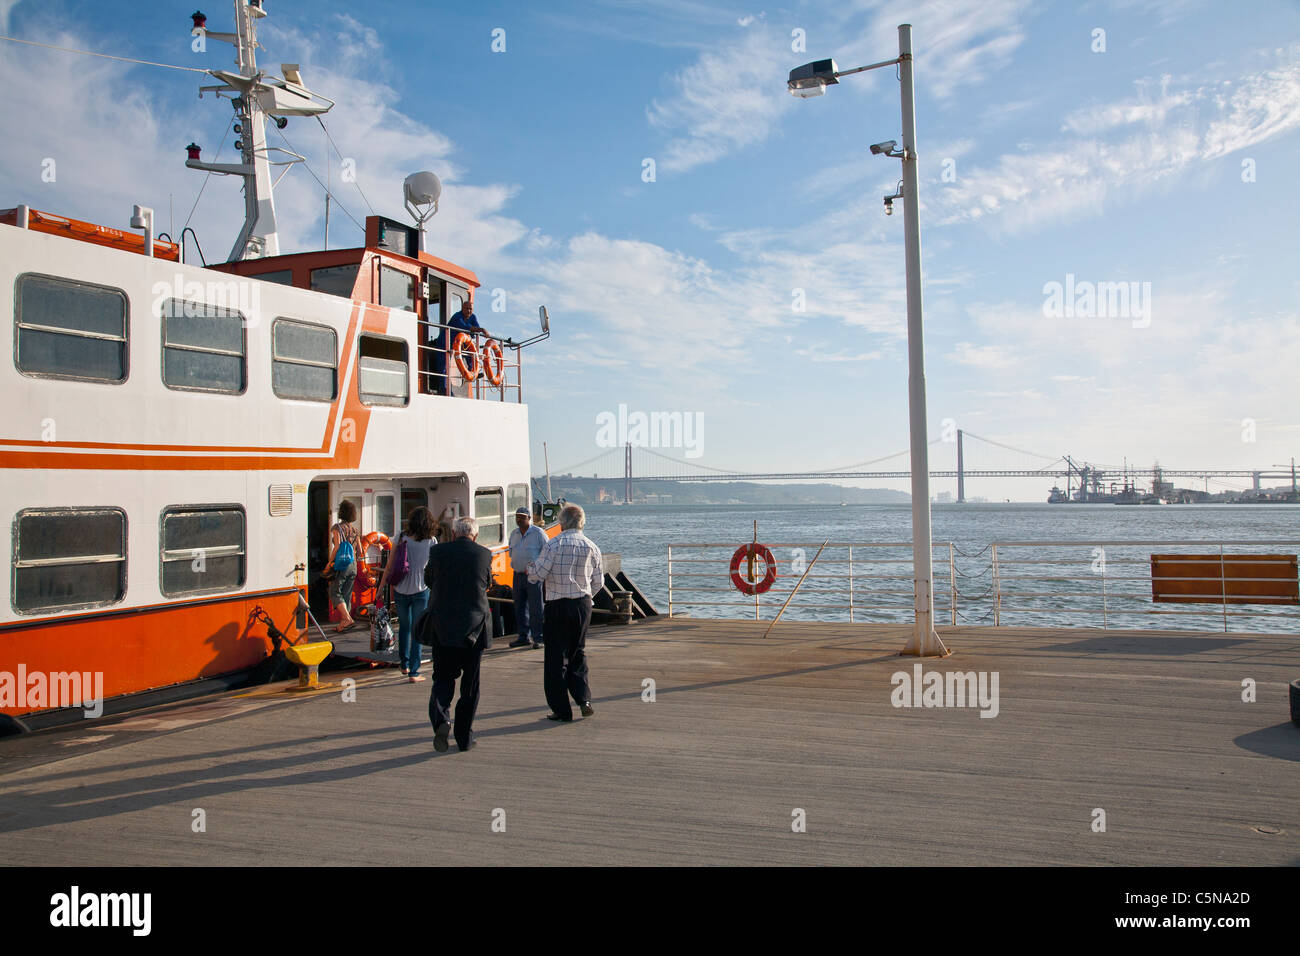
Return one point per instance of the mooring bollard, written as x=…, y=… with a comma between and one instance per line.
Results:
x=308, y=657
x=622, y=606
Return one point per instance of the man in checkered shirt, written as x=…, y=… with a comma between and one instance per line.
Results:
x=571, y=569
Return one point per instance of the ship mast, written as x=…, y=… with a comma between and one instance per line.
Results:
x=255, y=96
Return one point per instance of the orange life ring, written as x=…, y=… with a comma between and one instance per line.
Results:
x=494, y=362
x=758, y=551
x=375, y=537
x=467, y=359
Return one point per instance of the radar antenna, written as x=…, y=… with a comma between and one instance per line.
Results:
x=255, y=96
x=422, y=191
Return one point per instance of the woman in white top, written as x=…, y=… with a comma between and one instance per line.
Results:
x=412, y=593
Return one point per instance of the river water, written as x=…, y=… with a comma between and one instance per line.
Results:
x=1087, y=576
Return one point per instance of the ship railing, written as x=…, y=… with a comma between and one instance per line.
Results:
x=862, y=582
x=438, y=374
x=1196, y=585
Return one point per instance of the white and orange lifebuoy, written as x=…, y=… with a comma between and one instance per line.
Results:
x=466, y=355
x=371, y=540
x=494, y=362
x=744, y=552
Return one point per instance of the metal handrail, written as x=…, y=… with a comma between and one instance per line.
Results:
x=428, y=379
x=1121, y=595
x=820, y=583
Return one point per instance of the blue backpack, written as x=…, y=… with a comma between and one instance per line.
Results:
x=344, y=557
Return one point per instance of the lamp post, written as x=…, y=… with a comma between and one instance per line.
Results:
x=811, y=79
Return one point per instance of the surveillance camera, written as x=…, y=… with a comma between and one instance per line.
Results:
x=886, y=147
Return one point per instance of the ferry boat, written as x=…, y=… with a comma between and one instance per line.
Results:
x=180, y=436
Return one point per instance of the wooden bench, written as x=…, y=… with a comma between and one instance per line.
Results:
x=1224, y=579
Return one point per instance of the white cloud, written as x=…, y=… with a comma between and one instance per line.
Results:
x=983, y=356
x=729, y=98
x=1157, y=134
x=733, y=95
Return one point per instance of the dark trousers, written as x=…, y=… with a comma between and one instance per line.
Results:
x=450, y=663
x=528, y=609
x=565, y=664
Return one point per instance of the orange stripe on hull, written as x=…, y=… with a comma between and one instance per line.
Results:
x=151, y=648
x=346, y=454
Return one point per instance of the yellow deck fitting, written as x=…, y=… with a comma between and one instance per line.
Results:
x=308, y=658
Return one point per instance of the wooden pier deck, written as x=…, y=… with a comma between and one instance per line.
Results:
x=1148, y=726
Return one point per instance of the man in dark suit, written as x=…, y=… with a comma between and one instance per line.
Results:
x=458, y=575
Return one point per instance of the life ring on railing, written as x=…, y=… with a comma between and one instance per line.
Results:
x=467, y=359
x=758, y=551
x=364, y=566
x=494, y=362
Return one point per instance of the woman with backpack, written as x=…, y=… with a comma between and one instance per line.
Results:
x=405, y=571
x=342, y=563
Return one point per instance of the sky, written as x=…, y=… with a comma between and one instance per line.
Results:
x=708, y=244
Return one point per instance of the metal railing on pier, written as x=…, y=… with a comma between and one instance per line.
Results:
x=1183, y=585
x=861, y=581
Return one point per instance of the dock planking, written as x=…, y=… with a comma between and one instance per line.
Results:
x=1148, y=726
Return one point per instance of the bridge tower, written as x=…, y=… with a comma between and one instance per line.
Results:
x=961, y=472
x=627, y=475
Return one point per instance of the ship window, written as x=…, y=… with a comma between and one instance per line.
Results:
x=67, y=558
x=413, y=498
x=335, y=280
x=385, y=519
x=304, y=361
x=283, y=277
x=203, y=348
x=202, y=549
x=67, y=329
x=383, y=377
x=517, y=497
x=487, y=511
x=396, y=288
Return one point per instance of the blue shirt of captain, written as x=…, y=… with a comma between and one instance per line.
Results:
x=460, y=322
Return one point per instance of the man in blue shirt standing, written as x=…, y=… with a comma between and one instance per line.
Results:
x=462, y=321
x=526, y=543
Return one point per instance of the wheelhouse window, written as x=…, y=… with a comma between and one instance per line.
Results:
x=517, y=497
x=396, y=289
x=335, y=280
x=204, y=348
x=304, y=361
x=67, y=329
x=487, y=511
x=455, y=301
x=202, y=549
x=280, y=277
x=383, y=373
x=68, y=558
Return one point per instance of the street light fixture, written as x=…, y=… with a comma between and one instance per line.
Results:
x=811, y=79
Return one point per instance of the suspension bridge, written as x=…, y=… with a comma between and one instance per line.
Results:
x=631, y=462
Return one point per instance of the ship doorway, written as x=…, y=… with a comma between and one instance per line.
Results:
x=318, y=548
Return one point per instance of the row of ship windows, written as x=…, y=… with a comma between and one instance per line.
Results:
x=74, y=558
x=80, y=331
